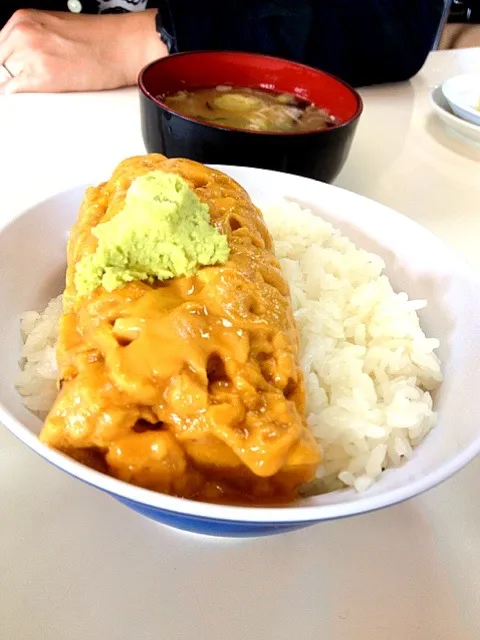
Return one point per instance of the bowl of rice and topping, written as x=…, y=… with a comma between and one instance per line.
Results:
x=237, y=352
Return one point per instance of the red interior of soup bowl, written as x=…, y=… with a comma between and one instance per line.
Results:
x=204, y=69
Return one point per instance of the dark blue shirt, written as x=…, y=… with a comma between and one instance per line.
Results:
x=362, y=41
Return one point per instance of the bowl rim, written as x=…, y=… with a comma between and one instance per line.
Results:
x=230, y=513
x=465, y=127
x=243, y=514
x=273, y=134
x=450, y=84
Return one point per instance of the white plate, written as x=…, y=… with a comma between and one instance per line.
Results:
x=463, y=95
x=416, y=261
x=440, y=106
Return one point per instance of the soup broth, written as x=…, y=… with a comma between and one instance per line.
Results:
x=250, y=109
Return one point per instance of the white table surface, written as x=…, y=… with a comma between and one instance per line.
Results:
x=75, y=565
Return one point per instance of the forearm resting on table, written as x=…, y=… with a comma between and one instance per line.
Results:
x=142, y=43
x=47, y=51
x=459, y=36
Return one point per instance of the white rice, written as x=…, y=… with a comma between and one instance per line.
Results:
x=369, y=368
x=37, y=382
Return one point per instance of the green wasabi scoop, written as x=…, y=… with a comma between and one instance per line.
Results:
x=163, y=232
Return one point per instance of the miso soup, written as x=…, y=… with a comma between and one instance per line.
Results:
x=250, y=109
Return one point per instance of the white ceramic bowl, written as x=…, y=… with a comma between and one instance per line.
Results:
x=461, y=127
x=32, y=262
x=463, y=95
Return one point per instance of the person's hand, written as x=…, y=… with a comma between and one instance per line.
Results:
x=53, y=52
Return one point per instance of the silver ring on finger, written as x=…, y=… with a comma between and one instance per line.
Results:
x=7, y=69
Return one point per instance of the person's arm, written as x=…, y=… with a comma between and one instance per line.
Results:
x=366, y=42
x=51, y=51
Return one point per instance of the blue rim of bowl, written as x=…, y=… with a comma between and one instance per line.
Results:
x=276, y=134
x=225, y=513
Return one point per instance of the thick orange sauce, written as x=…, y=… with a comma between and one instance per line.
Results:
x=192, y=386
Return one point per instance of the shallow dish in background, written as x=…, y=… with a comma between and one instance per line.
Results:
x=463, y=95
x=416, y=262
x=461, y=127
x=315, y=154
